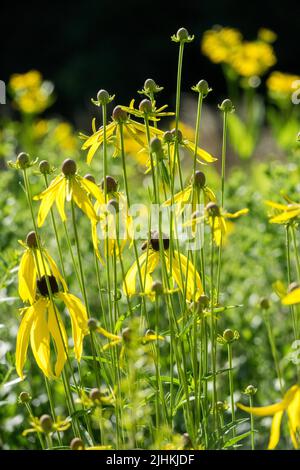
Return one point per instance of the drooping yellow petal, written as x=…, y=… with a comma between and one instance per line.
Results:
x=95, y=241
x=54, y=270
x=40, y=338
x=181, y=197
x=292, y=297
x=60, y=200
x=220, y=228
x=79, y=320
x=129, y=284
x=59, y=335
x=107, y=334
x=275, y=430
x=237, y=214
x=47, y=199
x=93, y=189
x=27, y=277
x=285, y=216
x=271, y=409
x=185, y=276
x=263, y=410
x=23, y=339
x=201, y=153
x=147, y=269
x=276, y=205
x=53, y=185
x=293, y=411
x=83, y=202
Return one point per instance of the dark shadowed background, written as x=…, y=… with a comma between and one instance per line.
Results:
x=92, y=44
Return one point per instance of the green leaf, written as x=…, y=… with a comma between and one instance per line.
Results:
x=236, y=439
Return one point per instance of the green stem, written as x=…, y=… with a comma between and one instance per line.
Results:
x=177, y=110
x=251, y=423
x=231, y=388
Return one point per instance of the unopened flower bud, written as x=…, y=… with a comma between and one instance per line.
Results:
x=202, y=87
x=177, y=135
x=250, y=390
x=187, y=443
x=76, y=444
x=228, y=335
x=92, y=324
x=44, y=167
x=294, y=285
x=200, y=179
x=46, y=423
x=90, y=177
x=227, y=106
x=213, y=209
x=111, y=184
x=222, y=406
x=23, y=160
x=113, y=206
x=150, y=333
x=95, y=395
x=203, y=301
x=182, y=34
x=155, y=145
x=150, y=85
x=264, y=303
x=168, y=136
x=157, y=287
x=145, y=106
x=31, y=240
x=127, y=335
x=119, y=114
x=103, y=97
x=69, y=167
x=24, y=397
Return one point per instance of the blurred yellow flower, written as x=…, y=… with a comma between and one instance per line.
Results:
x=63, y=136
x=31, y=94
x=266, y=35
x=284, y=213
x=217, y=44
x=252, y=58
x=280, y=83
x=40, y=128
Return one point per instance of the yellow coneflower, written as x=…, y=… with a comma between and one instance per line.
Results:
x=115, y=222
x=31, y=267
x=125, y=338
x=291, y=404
x=170, y=137
x=183, y=270
x=132, y=129
x=185, y=196
x=66, y=187
x=46, y=425
x=42, y=320
x=216, y=218
x=284, y=213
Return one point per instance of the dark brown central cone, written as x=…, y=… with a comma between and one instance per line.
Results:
x=43, y=288
x=154, y=241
